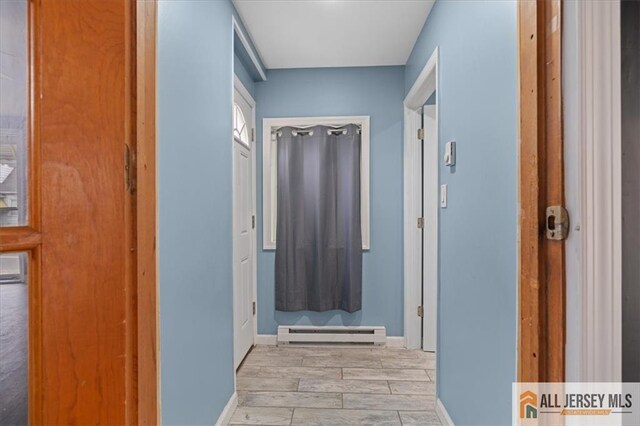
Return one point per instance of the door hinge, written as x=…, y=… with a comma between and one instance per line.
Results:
x=421, y=134
x=420, y=311
x=253, y=222
x=421, y=223
x=253, y=135
x=557, y=223
x=129, y=169
x=254, y=308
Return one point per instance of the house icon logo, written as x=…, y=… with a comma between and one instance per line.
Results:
x=528, y=405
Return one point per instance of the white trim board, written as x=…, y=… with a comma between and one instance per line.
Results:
x=269, y=176
x=266, y=339
x=423, y=87
x=430, y=248
x=593, y=143
x=442, y=413
x=396, y=342
x=227, y=412
x=425, y=84
x=237, y=29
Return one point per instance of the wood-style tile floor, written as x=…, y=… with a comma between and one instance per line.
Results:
x=310, y=386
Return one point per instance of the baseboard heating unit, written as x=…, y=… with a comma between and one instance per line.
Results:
x=309, y=334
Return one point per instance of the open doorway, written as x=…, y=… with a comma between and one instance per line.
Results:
x=421, y=209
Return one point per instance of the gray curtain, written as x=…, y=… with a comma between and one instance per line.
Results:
x=319, y=236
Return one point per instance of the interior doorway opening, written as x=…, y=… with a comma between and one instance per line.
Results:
x=421, y=206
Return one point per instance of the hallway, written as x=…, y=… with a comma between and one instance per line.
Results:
x=336, y=386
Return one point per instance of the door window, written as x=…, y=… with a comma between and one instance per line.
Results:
x=14, y=313
x=19, y=238
x=240, y=132
x=13, y=112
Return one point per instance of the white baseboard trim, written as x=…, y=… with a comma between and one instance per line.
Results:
x=266, y=339
x=444, y=417
x=396, y=342
x=272, y=340
x=229, y=409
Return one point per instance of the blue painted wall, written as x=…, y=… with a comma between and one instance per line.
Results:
x=478, y=229
x=373, y=91
x=195, y=65
x=245, y=77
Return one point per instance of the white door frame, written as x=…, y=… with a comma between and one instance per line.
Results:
x=423, y=87
x=237, y=85
x=592, y=92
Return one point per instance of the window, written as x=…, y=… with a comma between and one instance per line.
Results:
x=14, y=324
x=14, y=182
x=13, y=112
x=270, y=172
x=240, y=132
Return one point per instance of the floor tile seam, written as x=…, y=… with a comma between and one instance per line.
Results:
x=334, y=408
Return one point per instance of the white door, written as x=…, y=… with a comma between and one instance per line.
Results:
x=430, y=231
x=243, y=224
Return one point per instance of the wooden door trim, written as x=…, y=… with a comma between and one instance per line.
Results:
x=20, y=238
x=27, y=238
x=140, y=120
x=541, y=336
x=146, y=214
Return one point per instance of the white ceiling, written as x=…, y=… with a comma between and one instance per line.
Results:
x=333, y=33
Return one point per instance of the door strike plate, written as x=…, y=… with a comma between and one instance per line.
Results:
x=557, y=223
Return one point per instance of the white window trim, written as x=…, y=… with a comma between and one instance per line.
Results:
x=269, y=204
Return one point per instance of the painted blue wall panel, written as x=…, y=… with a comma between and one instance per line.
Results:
x=245, y=77
x=243, y=56
x=242, y=53
x=478, y=230
x=195, y=63
x=373, y=91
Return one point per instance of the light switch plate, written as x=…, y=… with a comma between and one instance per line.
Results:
x=450, y=153
x=443, y=196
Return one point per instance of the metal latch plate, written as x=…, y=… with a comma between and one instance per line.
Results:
x=557, y=223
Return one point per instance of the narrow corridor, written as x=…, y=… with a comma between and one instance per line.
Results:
x=336, y=386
